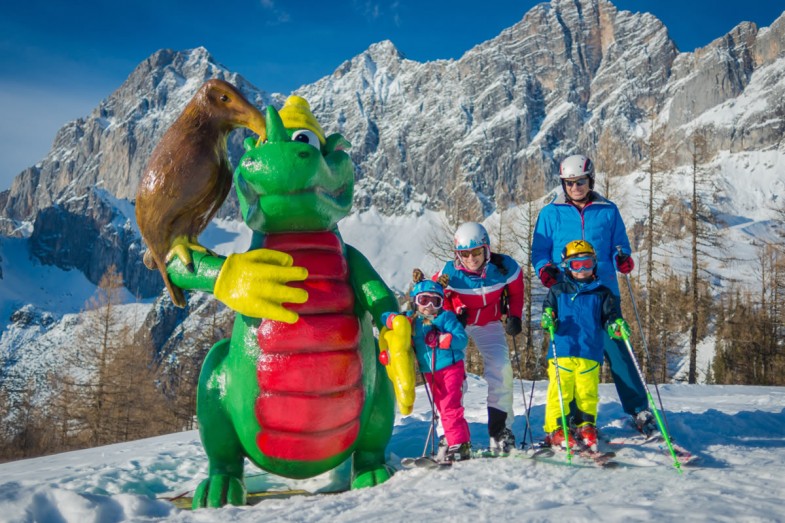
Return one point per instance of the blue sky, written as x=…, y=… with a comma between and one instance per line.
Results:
x=58, y=59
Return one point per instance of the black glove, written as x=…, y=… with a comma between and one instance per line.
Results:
x=513, y=326
x=463, y=316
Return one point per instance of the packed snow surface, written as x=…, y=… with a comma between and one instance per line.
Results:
x=737, y=431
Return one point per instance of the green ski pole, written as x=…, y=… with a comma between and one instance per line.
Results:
x=561, y=398
x=657, y=416
x=643, y=338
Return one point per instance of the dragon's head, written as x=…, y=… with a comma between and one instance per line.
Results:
x=296, y=179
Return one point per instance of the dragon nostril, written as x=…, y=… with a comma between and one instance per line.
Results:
x=303, y=154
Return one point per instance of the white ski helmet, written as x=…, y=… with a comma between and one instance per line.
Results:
x=471, y=235
x=576, y=166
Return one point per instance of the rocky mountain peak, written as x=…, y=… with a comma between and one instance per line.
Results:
x=468, y=136
x=72, y=226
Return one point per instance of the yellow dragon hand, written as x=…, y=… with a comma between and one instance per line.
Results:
x=397, y=342
x=253, y=283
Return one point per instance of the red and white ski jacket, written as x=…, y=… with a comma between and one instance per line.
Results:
x=480, y=294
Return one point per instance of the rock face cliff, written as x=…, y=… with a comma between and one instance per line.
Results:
x=466, y=136
x=489, y=129
x=76, y=199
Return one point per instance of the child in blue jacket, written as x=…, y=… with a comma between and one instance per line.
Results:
x=439, y=341
x=579, y=309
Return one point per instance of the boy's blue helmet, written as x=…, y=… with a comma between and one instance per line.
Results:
x=426, y=286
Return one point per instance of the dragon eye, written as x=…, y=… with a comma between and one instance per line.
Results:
x=306, y=136
x=224, y=98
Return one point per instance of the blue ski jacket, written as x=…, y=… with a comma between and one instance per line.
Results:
x=584, y=311
x=599, y=223
x=445, y=323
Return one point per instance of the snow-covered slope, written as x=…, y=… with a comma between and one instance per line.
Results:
x=738, y=432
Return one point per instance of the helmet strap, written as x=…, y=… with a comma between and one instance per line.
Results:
x=459, y=265
x=427, y=319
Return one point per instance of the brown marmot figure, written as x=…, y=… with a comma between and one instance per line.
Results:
x=189, y=176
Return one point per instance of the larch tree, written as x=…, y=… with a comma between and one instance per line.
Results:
x=703, y=236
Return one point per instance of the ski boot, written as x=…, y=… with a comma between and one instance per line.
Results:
x=557, y=439
x=459, y=452
x=503, y=442
x=645, y=423
x=587, y=436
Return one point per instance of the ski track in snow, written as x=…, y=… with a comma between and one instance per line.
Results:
x=737, y=431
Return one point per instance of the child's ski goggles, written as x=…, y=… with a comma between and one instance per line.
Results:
x=434, y=300
x=580, y=263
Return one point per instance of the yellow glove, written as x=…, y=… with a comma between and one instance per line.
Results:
x=397, y=342
x=253, y=283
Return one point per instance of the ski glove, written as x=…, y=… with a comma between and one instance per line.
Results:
x=513, y=326
x=432, y=338
x=445, y=340
x=619, y=330
x=549, y=275
x=624, y=263
x=549, y=321
x=463, y=316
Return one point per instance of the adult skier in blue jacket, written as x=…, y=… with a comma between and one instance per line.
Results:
x=582, y=213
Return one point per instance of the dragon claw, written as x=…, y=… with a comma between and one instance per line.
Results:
x=219, y=490
x=372, y=477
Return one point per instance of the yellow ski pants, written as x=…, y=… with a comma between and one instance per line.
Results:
x=580, y=379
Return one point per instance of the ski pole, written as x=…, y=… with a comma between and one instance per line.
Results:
x=643, y=340
x=430, y=400
x=531, y=393
x=434, y=416
x=528, y=427
x=561, y=398
x=663, y=429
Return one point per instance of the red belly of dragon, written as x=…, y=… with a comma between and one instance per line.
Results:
x=310, y=373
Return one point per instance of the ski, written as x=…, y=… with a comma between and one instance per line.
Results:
x=538, y=453
x=602, y=459
x=652, y=441
x=586, y=456
x=684, y=456
x=530, y=453
x=425, y=462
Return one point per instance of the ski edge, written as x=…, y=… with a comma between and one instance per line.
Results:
x=425, y=462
